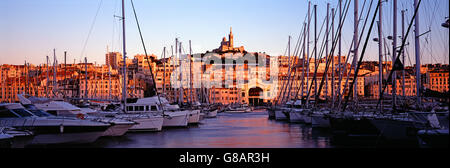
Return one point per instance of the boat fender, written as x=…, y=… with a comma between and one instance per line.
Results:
x=61, y=128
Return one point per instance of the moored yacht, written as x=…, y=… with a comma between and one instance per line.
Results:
x=242, y=108
x=50, y=129
x=172, y=115
x=60, y=108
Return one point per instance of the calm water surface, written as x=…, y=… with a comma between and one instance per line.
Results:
x=228, y=130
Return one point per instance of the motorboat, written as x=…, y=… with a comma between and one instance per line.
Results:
x=49, y=129
x=60, y=108
x=243, y=108
x=172, y=115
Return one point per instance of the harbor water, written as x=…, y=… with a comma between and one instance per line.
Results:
x=227, y=130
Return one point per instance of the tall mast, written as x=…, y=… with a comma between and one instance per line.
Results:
x=355, y=50
x=303, y=60
x=190, y=71
x=326, y=50
x=85, y=80
x=46, y=83
x=315, y=48
x=65, y=73
x=134, y=84
x=109, y=76
x=26, y=77
x=54, y=72
x=102, y=96
x=181, y=76
x=394, y=53
x=403, y=54
x=380, y=52
x=307, y=48
x=417, y=47
x=124, y=87
x=164, y=65
x=95, y=94
x=340, y=48
x=172, y=61
x=333, y=84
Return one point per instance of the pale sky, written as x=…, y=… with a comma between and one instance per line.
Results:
x=30, y=29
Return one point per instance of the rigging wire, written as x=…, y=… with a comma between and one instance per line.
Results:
x=91, y=28
x=145, y=51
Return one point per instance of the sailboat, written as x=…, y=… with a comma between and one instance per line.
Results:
x=413, y=125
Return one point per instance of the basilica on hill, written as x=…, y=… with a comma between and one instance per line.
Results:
x=227, y=46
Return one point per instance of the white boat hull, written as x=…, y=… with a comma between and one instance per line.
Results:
x=154, y=123
x=194, y=117
x=211, y=114
x=117, y=130
x=176, y=119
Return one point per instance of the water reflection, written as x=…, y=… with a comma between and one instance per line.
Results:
x=228, y=130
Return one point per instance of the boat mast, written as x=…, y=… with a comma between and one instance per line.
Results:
x=46, y=88
x=85, y=80
x=315, y=50
x=339, y=50
x=190, y=72
x=333, y=84
x=172, y=61
x=102, y=96
x=181, y=76
x=394, y=53
x=289, y=72
x=124, y=66
x=380, y=53
x=307, y=55
x=303, y=60
x=355, y=50
x=164, y=65
x=403, y=54
x=26, y=77
x=65, y=73
x=327, y=31
x=417, y=47
x=55, y=64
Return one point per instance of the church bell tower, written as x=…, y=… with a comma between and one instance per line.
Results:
x=231, y=38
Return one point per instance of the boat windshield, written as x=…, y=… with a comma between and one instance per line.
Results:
x=5, y=113
x=40, y=113
x=33, y=109
x=22, y=112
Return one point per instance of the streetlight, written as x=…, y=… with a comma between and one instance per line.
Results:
x=446, y=24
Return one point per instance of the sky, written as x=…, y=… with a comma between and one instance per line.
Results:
x=31, y=29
